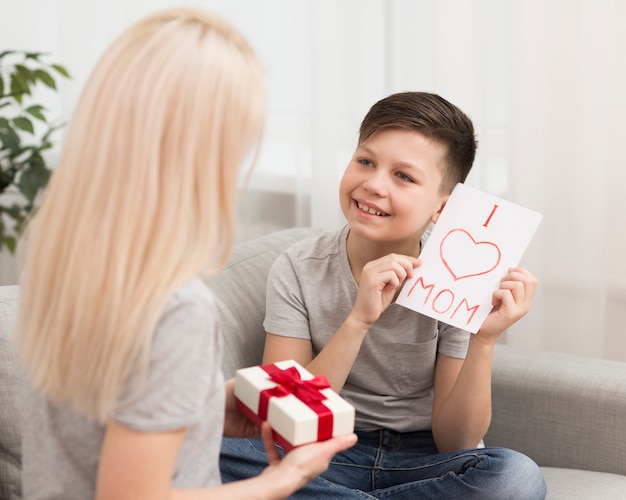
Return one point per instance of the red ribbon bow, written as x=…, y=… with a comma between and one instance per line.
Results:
x=307, y=391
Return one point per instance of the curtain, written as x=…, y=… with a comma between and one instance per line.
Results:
x=568, y=161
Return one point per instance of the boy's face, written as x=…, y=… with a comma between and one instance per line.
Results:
x=390, y=190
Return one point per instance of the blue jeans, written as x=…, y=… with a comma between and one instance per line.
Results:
x=386, y=464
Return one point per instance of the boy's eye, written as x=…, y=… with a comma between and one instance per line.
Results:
x=366, y=162
x=404, y=177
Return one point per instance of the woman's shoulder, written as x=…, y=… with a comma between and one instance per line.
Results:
x=192, y=295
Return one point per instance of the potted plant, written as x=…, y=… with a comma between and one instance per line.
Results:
x=25, y=134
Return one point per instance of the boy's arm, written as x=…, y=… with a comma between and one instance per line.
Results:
x=334, y=362
x=279, y=348
x=378, y=282
x=462, y=399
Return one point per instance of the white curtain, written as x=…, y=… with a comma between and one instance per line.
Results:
x=568, y=161
x=542, y=80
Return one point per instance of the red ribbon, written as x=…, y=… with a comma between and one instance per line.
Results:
x=307, y=391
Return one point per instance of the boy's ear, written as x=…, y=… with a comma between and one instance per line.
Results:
x=435, y=217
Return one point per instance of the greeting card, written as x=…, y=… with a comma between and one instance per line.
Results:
x=476, y=239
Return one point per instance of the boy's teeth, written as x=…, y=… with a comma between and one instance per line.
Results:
x=369, y=209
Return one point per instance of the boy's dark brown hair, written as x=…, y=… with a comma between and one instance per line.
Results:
x=433, y=117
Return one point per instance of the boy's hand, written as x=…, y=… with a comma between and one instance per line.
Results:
x=379, y=283
x=511, y=301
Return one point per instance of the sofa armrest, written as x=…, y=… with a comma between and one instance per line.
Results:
x=10, y=440
x=560, y=410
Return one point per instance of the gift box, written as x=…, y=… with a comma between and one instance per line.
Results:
x=300, y=408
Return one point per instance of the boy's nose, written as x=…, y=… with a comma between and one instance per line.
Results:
x=376, y=183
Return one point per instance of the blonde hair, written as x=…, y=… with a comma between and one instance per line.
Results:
x=143, y=199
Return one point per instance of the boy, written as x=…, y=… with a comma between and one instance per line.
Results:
x=421, y=388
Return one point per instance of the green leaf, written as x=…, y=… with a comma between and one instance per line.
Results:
x=43, y=147
x=6, y=53
x=61, y=70
x=32, y=180
x=35, y=160
x=24, y=124
x=34, y=55
x=13, y=211
x=10, y=243
x=10, y=140
x=45, y=78
x=26, y=74
x=1, y=86
x=6, y=179
x=36, y=111
x=18, y=87
x=4, y=123
x=53, y=128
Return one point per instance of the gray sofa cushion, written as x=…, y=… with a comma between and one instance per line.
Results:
x=570, y=411
x=10, y=443
x=574, y=484
x=240, y=293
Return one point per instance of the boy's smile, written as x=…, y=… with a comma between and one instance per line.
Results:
x=390, y=190
x=370, y=209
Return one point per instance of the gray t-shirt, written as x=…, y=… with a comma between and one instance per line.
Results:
x=310, y=293
x=184, y=387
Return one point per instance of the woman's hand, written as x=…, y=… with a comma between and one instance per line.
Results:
x=236, y=424
x=304, y=463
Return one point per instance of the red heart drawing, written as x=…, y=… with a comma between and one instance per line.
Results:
x=465, y=257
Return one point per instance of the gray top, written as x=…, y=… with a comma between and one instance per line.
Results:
x=310, y=293
x=184, y=388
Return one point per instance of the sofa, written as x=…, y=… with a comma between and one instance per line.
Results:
x=567, y=413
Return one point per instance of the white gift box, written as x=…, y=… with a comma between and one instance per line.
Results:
x=294, y=402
